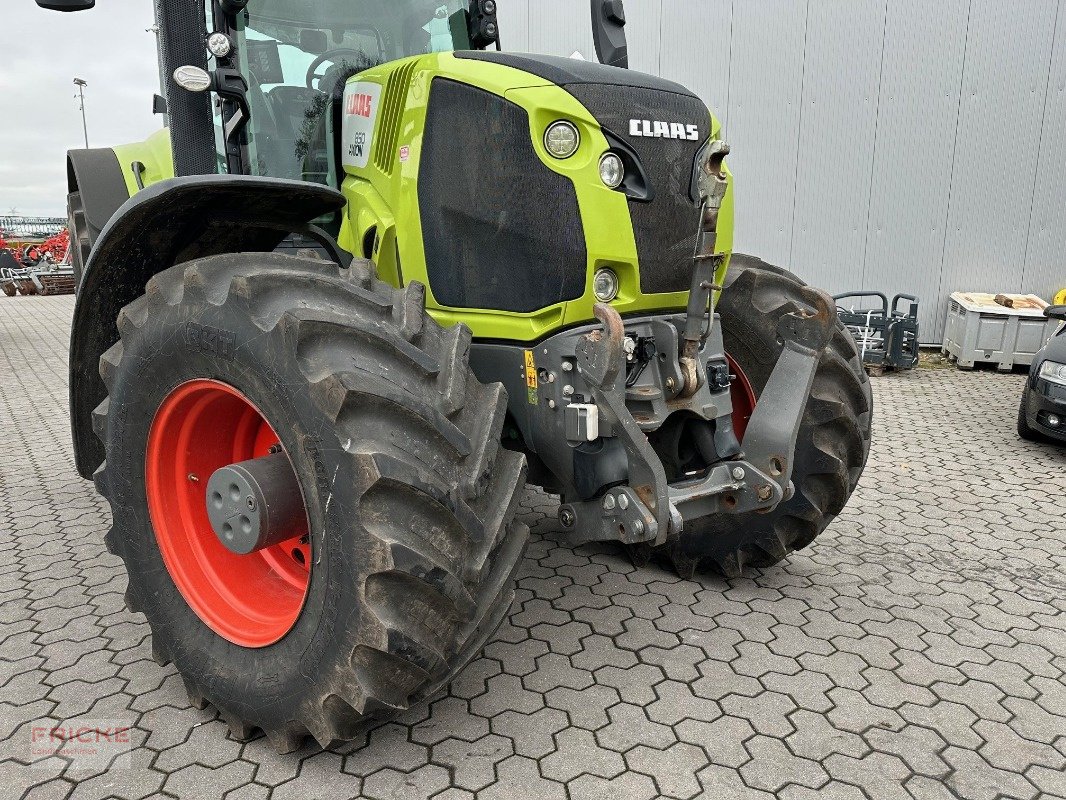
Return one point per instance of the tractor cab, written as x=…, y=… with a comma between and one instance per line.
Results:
x=295, y=57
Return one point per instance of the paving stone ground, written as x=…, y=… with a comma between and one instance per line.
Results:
x=917, y=649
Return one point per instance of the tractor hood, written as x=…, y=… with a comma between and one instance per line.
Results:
x=665, y=125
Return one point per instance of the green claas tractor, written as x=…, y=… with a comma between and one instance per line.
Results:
x=375, y=276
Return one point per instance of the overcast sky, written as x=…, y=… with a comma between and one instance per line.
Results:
x=41, y=53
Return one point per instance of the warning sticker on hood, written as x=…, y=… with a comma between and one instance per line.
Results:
x=357, y=131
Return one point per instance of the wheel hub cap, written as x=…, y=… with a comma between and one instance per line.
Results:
x=254, y=598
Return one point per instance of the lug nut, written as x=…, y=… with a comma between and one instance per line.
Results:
x=567, y=366
x=738, y=473
x=568, y=390
x=623, y=502
x=608, y=503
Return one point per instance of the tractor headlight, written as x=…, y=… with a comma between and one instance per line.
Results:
x=1054, y=372
x=562, y=139
x=219, y=44
x=605, y=285
x=612, y=171
x=192, y=79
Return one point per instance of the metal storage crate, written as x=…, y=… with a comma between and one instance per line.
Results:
x=887, y=335
x=981, y=330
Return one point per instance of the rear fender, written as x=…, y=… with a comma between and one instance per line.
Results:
x=170, y=223
x=98, y=176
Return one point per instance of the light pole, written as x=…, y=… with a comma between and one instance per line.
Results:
x=81, y=96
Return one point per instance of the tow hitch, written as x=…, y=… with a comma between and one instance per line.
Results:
x=647, y=508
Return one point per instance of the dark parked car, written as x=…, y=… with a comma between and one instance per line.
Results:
x=1043, y=411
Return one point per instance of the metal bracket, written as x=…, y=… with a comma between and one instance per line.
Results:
x=770, y=439
x=712, y=183
x=600, y=358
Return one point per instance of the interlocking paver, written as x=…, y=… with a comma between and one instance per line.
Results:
x=674, y=768
x=631, y=726
x=472, y=764
x=578, y=753
x=916, y=650
x=389, y=784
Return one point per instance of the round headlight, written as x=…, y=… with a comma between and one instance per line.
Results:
x=562, y=139
x=219, y=44
x=612, y=171
x=605, y=285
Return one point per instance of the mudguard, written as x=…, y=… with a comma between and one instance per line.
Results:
x=170, y=223
x=97, y=175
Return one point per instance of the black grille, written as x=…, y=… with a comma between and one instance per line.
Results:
x=665, y=228
x=500, y=229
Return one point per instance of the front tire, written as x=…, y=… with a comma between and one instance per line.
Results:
x=411, y=542
x=834, y=436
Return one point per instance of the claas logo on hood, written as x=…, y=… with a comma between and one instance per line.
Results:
x=653, y=129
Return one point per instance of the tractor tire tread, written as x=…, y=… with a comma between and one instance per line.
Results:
x=835, y=429
x=432, y=595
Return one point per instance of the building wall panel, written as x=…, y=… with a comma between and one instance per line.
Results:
x=1004, y=85
x=1045, y=263
x=921, y=81
x=839, y=125
x=763, y=121
x=892, y=145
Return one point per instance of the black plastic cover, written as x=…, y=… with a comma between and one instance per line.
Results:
x=567, y=71
x=500, y=229
x=97, y=175
x=665, y=229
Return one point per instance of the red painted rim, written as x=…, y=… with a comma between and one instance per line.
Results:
x=743, y=397
x=251, y=600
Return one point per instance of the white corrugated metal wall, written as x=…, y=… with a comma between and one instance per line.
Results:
x=900, y=145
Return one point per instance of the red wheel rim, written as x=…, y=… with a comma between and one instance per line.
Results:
x=251, y=600
x=743, y=397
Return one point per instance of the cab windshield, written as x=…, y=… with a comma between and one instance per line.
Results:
x=298, y=55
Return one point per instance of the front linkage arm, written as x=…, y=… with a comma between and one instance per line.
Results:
x=711, y=183
x=647, y=508
x=642, y=510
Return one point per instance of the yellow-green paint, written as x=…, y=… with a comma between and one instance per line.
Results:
x=154, y=153
x=383, y=209
x=383, y=220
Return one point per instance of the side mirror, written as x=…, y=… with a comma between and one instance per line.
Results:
x=609, y=32
x=1055, y=312
x=67, y=5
